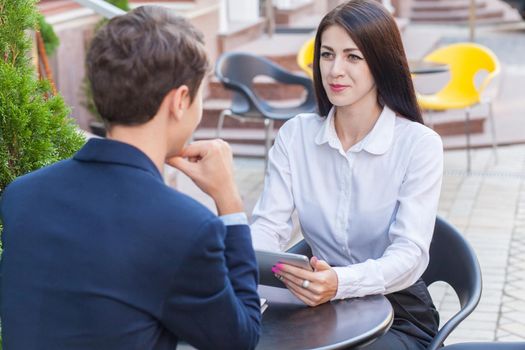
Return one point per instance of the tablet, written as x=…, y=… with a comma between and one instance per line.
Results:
x=266, y=260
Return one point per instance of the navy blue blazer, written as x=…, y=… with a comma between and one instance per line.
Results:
x=100, y=254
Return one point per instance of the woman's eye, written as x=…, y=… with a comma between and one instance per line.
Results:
x=354, y=58
x=326, y=54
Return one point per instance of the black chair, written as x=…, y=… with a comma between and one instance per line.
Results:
x=301, y=248
x=486, y=346
x=236, y=71
x=452, y=260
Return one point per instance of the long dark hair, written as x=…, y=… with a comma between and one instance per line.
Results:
x=375, y=33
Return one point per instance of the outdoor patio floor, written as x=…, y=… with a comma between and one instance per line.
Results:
x=488, y=206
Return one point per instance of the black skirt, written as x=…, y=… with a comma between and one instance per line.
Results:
x=416, y=320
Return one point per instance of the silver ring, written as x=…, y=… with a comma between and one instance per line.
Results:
x=305, y=284
x=281, y=278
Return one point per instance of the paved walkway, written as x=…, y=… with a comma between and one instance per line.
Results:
x=488, y=206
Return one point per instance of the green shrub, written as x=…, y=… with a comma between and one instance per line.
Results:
x=35, y=129
x=51, y=40
x=121, y=4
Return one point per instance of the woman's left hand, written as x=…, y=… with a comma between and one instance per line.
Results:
x=321, y=286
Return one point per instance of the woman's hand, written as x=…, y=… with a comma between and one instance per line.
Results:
x=322, y=285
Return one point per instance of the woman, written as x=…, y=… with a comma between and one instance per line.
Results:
x=364, y=177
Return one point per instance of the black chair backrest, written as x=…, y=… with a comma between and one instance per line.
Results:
x=236, y=71
x=452, y=260
x=301, y=248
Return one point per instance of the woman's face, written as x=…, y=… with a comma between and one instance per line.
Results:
x=344, y=71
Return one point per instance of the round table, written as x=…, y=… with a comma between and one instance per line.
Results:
x=287, y=323
x=423, y=67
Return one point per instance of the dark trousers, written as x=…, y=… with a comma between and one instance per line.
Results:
x=416, y=320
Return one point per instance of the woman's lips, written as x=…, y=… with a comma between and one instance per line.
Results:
x=337, y=87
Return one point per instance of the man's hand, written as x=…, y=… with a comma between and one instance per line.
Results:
x=322, y=285
x=209, y=164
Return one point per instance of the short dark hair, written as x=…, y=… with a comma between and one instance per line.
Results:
x=136, y=59
x=375, y=32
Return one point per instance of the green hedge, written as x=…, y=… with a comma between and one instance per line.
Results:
x=51, y=40
x=35, y=129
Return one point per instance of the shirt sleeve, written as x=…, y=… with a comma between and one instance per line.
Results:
x=234, y=219
x=410, y=234
x=272, y=215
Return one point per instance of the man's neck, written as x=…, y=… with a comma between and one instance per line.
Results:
x=146, y=138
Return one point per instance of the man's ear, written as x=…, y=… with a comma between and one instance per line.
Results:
x=179, y=101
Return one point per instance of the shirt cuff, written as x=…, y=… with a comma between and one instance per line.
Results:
x=234, y=219
x=358, y=280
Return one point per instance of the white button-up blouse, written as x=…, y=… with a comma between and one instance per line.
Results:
x=369, y=212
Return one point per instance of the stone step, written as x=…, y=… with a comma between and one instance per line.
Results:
x=450, y=123
x=244, y=142
x=264, y=87
x=445, y=123
x=248, y=136
x=456, y=15
x=293, y=13
x=240, y=33
x=250, y=142
x=52, y=7
x=280, y=48
x=450, y=5
x=476, y=126
x=251, y=151
x=212, y=108
x=435, y=11
x=307, y=22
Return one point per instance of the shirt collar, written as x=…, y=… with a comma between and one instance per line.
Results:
x=116, y=152
x=327, y=132
x=377, y=141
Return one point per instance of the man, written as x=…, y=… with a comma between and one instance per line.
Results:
x=98, y=252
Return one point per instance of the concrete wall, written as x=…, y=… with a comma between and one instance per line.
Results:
x=402, y=8
x=68, y=61
x=243, y=10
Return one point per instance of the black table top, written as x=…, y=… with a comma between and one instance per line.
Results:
x=289, y=324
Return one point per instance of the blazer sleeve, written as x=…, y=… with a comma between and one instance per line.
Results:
x=213, y=302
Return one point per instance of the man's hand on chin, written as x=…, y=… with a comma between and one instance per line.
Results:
x=209, y=163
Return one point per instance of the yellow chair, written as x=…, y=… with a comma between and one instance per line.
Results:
x=305, y=57
x=465, y=61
